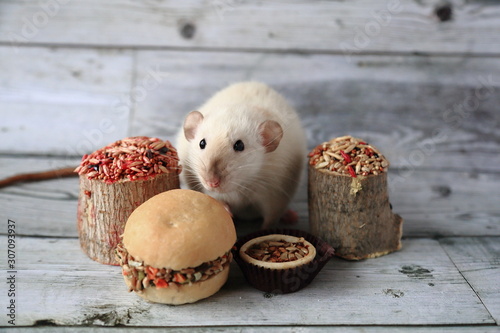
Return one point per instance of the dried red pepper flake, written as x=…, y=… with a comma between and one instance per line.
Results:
x=178, y=277
x=351, y=171
x=151, y=272
x=316, y=151
x=160, y=283
x=346, y=157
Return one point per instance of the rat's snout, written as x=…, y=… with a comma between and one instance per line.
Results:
x=213, y=178
x=212, y=183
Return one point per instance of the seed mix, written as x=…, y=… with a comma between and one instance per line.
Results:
x=278, y=251
x=134, y=158
x=348, y=156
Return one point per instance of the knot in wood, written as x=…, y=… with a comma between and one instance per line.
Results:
x=444, y=12
x=187, y=30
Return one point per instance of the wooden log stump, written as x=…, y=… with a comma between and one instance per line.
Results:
x=348, y=200
x=357, y=226
x=103, y=210
x=114, y=181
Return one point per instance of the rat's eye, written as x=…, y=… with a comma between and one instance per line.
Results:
x=239, y=146
x=203, y=144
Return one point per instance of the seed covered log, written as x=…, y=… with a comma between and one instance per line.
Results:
x=116, y=179
x=103, y=210
x=353, y=214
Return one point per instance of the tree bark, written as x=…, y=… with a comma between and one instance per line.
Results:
x=103, y=210
x=353, y=214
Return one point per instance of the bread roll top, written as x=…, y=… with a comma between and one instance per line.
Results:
x=179, y=229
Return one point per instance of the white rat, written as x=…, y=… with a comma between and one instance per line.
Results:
x=245, y=147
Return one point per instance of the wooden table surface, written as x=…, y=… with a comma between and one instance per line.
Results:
x=418, y=79
x=447, y=272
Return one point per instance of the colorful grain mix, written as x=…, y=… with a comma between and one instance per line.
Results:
x=134, y=158
x=140, y=276
x=278, y=251
x=348, y=156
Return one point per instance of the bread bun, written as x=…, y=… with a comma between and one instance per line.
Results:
x=178, y=229
x=182, y=232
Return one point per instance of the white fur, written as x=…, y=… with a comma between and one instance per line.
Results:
x=252, y=178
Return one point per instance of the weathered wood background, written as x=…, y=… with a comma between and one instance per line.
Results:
x=418, y=79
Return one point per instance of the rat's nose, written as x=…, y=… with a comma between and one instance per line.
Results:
x=213, y=183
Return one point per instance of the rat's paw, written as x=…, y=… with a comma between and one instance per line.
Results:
x=290, y=217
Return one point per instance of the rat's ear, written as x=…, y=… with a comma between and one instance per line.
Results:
x=270, y=133
x=191, y=123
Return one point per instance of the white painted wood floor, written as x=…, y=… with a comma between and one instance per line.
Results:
x=423, y=86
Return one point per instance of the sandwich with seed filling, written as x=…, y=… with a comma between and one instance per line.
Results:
x=176, y=247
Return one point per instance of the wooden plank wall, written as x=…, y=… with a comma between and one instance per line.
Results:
x=94, y=72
